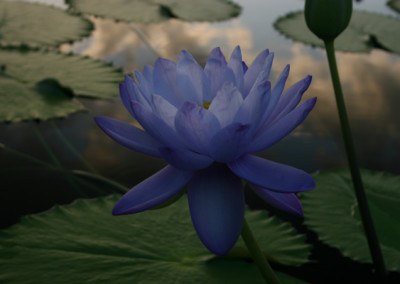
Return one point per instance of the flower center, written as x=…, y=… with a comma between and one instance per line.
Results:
x=206, y=104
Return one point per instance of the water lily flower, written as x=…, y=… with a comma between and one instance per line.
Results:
x=206, y=124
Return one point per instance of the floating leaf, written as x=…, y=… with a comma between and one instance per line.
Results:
x=332, y=211
x=158, y=10
x=39, y=25
x=84, y=243
x=395, y=5
x=22, y=98
x=365, y=31
x=280, y=235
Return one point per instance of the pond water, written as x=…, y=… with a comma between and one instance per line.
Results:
x=370, y=82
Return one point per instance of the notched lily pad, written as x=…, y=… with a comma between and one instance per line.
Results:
x=278, y=235
x=332, y=211
x=158, y=10
x=43, y=85
x=84, y=243
x=39, y=25
x=365, y=31
x=395, y=5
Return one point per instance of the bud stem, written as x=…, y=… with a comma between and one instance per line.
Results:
x=368, y=224
x=258, y=256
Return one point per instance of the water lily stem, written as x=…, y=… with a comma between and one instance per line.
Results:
x=258, y=256
x=370, y=232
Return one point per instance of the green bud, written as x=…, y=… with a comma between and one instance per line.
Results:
x=328, y=18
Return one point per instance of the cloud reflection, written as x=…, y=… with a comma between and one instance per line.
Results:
x=370, y=85
x=121, y=44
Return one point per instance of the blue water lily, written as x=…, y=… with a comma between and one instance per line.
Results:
x=206, y=124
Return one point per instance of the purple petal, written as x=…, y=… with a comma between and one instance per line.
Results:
x=126, y=98
x=164, y=78
x=258, y=65
x=153, y=191
x=289, y=100
x=277, y=177
x=235, y=64
x=281, y=128
x=129, y=136
x=245, y=68
x=214, y=70
x=276, y=93
x=135, y=92
x=191, y=78
x=254, y=105
x=156, y=127
x=185, y=159
x=226, y=104
x=216, y=202
x=283, y=201
x=145, y=85
x=165, y=110
x=196, y=126
x=226, y=145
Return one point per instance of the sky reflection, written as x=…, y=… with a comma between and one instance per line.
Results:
x=370, y=84
x=369, y=80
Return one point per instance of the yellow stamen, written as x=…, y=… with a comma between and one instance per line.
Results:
x=206, y=104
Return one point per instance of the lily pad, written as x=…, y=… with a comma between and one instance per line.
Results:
x=332, y=211
x=39, y=25
x=365, y=31
x=395, y=5
x=21, y=74
x=282, y=236
x=158, y=10
x=83, y=243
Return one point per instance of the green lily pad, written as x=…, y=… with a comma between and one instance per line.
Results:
x=69, y=76
x=39, y=25
x=365, y=31
x=283, y=236
x=332, y=211
x=158, y=10
x=395, y=5
x=83, y=243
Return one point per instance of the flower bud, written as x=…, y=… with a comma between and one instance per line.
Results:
x=328, y=18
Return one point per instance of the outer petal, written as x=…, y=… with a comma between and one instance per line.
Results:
x=227, y=144
x=216, y=202
x=277, y=177
x=164, y=78
x=226, y=104
x=276, y=93
x=254, y=105
x=153, y=191
x=263, y=62
x=284, y=201
x=156, y=127
x=129, y=136
x=196, y=126
x=289, y=100
x=135, y=92
x=191, y=78
x=145, y=85
x=126, y=98
x=235, y=64
x=185, y=159
x=165, y=110
x=214, y=70
x=281, y=128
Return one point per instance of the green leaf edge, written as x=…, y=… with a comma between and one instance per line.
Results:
x=72, y=9
x=325, y=238
x=368, y=45
x=85, y=32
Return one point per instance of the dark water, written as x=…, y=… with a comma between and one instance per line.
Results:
x=370, y=81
